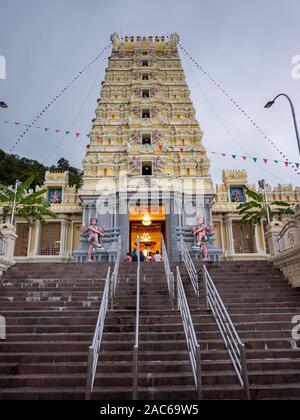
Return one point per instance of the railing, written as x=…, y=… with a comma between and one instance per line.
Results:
x=287, y=238
x=114, y=277
x=169, y=274
x=135, y=370
x=190, y=334
x=235, y=347
x=189, y=266
x=96, y=344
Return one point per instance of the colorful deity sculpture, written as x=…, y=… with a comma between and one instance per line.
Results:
x=93, y=235
x=203, y=235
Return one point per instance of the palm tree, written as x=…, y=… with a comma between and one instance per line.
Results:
x=30, y=206
x=256, y=209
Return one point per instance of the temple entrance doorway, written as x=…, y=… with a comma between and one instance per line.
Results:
x=149, y=223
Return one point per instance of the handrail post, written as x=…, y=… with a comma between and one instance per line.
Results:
x=199, y=377
x=168, y=272
x=111, y=293
x=204, y=278
x=245, y=371
x=193, y=346
x=89, y=374
x=135, y=374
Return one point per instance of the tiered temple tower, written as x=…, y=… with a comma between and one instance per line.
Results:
x=145, y=170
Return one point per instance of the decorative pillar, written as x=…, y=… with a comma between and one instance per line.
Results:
x=63, y=233
x=37, y=238
x=273, y=231
x=297, y=218
x=229, y=234
x=29, y=240
x=9, y=236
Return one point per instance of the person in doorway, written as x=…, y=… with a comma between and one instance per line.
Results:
x=157, y=257
x=128, y=257
x=150, y=257
x=142, y=256
x=134, y=257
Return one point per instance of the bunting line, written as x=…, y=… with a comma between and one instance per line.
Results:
x=163, y=148
x=236, y=104
x=55, y=98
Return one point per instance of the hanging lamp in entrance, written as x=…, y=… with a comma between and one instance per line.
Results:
x=147, y=220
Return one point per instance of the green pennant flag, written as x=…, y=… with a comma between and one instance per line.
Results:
x=276, y=161
x=234, y=156
x=297, y=165
x=46, y=129
x=255, y=159
x=67, y=132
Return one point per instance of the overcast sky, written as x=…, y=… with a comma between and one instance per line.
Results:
x=246, y=45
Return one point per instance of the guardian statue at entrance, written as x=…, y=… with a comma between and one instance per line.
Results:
x=93, y=235
x=203, y=235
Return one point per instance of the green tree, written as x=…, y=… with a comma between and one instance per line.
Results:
x=255, y=209
x=30, y=206
x=74, y=173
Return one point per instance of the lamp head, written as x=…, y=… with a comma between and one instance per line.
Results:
x=3, y=104
x=269, y=104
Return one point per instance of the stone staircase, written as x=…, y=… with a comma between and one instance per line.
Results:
x=261, y=305
x=51, y=312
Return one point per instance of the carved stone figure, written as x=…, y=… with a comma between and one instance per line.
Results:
x=93, y=235
x=202, y=234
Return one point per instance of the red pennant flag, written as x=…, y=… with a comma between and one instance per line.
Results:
x=245, y=157
x=57, y=130
x=223, y=154
x=286, y=163
x=265, y=160
x=77, y=134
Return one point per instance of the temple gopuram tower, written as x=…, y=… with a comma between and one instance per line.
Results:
x=145, y=170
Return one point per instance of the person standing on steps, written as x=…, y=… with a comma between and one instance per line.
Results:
x=142, y=256
x=128, y=257
x=157, y=257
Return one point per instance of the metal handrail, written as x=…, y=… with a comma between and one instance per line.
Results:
x=169, y=274
x=189, y=266
x=233, y=343
x=190, y=334
x=96, y=344
x=114, y=277
x=135, y=369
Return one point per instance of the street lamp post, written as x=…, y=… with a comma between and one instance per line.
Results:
x=262, y=185
x=17, y=184
x=271, y=103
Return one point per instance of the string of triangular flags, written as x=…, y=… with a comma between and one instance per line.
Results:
x=55, y=98
x=46, y=129
x=237, y=105
x=163, y=148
